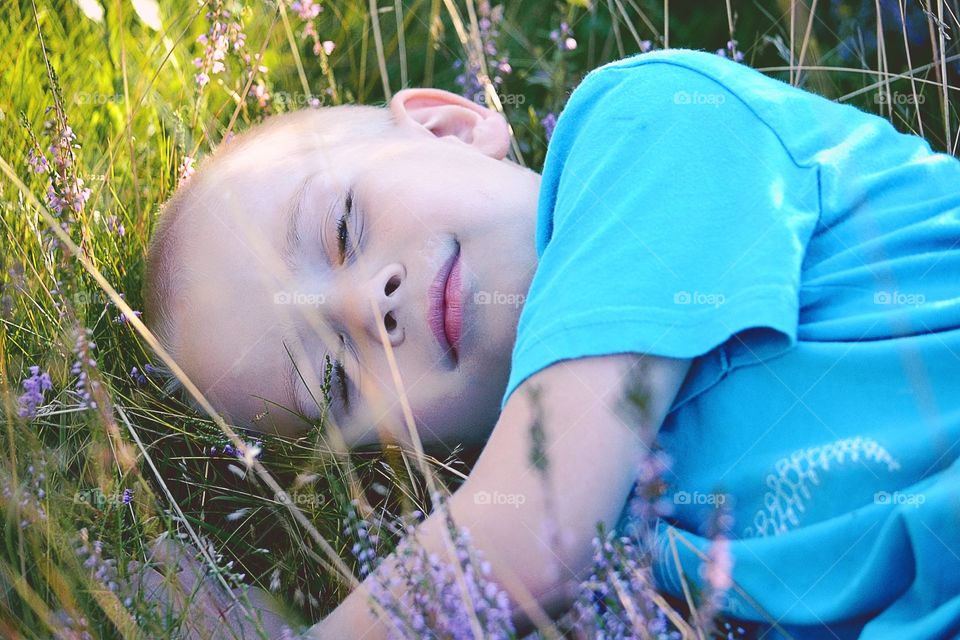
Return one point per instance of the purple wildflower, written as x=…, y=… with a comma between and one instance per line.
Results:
x=66, y=627
x=127, y=497
x=28, y=497
x=615, y=601
x=490, y=19
x=38, y=161
x=306, y=9
x=104, y=570
x=731, y=51
x=432, y=602
x=115, y=226
x=365, y=547
x=563, y=37
x=186, y=169
x=34, y=387
x=65, y=193
x=234, y=452
x=138, y=377
x=123, y=319
x=549, y=123
x=717, y=571
x=225, y=35
x=82, y=365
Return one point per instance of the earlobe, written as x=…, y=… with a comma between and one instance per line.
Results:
x=443, y=114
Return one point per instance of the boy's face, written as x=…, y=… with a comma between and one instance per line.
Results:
x=269, y=285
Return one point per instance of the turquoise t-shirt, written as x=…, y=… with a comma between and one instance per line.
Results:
x=806, y=256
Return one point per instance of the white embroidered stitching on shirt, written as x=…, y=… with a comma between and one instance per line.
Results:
x=786, y=497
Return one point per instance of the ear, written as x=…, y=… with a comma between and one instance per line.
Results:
x=447, y=115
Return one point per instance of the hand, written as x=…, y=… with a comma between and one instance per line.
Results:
x=208, y=611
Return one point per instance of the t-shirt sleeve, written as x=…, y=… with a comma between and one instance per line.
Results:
x=671, y=219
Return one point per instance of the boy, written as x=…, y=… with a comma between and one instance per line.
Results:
x=776, y=272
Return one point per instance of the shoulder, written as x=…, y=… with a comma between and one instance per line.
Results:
x=667, y=71
x=684, y=92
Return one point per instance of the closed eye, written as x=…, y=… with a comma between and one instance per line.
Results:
x=344, y=243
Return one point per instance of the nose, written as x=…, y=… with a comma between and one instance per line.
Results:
x=384, y=288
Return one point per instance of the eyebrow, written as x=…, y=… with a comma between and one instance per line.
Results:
x=290, y=250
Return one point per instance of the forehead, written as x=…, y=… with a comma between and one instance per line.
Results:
x=231, y=335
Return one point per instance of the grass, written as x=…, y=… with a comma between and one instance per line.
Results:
x=127, y=86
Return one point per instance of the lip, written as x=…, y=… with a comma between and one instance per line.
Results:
x=445, y=303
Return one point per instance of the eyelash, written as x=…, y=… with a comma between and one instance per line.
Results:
x=342, y=380
x=343, y=235
x=337, y=367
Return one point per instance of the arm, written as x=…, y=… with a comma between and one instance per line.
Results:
x=593, y=447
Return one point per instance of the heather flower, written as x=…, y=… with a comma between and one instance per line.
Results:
x=38, y=161
x=225, y=35
x=249, y=451
x=84, y=362
x=104, y=570
x=489, y=21
x=65, y=192
x=66, y=627
x=260, y=93
x=28, y=497
x=186, y=170
x=563, y=37
x=365, y=547
x=718, y=569
x=34, y=387
x=549, y=123
x=123, y=319
x=731, y=51
x=432, y=604
x=306, y=9
x=647, y=501
x=615, y=602
x=115, y=226
x=139, y=377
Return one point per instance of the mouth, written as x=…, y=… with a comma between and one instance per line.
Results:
x=445, y=300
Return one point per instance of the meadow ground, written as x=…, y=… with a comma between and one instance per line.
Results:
x=105, y=106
